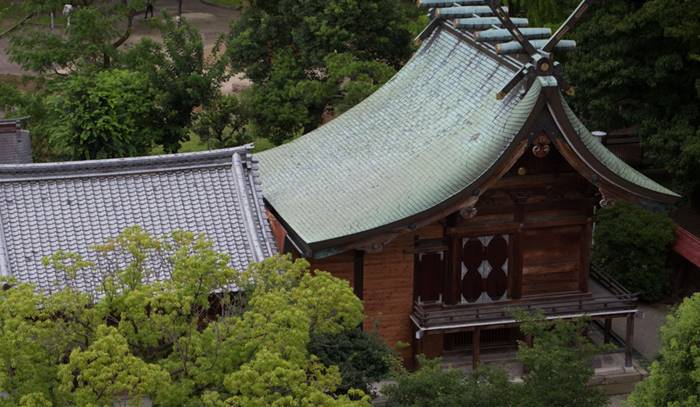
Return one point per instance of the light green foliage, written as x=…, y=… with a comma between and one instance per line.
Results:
x=558, y=364
x=637, y=64
x=104, y=115
x=674, y=379
x=632, y=244
x=107, y=370
x=186, y=340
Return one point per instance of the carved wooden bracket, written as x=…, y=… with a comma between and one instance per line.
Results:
x=468, y=213
x=606, y=200
x=541, y=146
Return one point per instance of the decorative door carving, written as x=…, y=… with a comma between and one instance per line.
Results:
x=484, y=267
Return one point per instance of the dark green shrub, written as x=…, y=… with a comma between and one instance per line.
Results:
x=558, y=364
x=632, y=245
x=362, y=357
x=433, y=386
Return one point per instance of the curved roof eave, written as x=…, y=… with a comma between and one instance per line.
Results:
x=601, y=160
x=425, y=136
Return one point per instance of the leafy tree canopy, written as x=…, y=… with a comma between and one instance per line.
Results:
x=632, y=243
x=312, y=29
x=169, y=80
x=310, y=60
x=98, y=28
x=185, y=341
x=638, y=65
x=104, y=115
x=675, y=376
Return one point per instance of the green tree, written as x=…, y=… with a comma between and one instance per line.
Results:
x=309, y=60
x=104, y=115
x=221, y=123
x=363, y=357
x=98, y=28
x=558, y=364
x=674, y=379
x=290, y=102
x=182, y=75
x=188, y=340
x=638, y=64
x=632, y=244
x=175, y=75
x=434, y=385
x=312, y=29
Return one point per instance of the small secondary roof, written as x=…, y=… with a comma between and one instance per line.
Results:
x=75, y=205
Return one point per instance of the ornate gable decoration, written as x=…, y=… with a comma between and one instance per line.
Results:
x=489, y=22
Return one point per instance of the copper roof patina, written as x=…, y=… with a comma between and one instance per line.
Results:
x=422, y=139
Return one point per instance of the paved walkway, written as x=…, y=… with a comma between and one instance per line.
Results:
x=647, y=328
x=212, y=21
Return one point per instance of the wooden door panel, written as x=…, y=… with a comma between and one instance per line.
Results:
x=430, y=269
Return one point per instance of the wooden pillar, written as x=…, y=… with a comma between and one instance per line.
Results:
x=451, y=290
x=476, y=347
x=516, y=267
x=585, y=260
x=608, y=328
x=629, y=337
x=358, y=275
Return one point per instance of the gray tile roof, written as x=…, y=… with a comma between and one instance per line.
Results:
x=72, y=206
x=15, y=143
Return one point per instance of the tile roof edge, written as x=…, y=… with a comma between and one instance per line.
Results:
x=241, y=183
x=119, y=166
x=4, y=257
x=256, y=189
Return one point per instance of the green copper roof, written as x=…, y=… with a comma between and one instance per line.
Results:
x=425, y=136
x=610, y=160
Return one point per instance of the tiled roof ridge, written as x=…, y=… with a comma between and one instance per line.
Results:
x=123, y=166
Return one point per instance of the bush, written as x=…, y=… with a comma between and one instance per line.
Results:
x=675, y=376
x=362, y=357
x=632, y=245
x=558, y=364
x=433, y=386
x=558, y=369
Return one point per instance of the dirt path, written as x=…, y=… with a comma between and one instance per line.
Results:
x=212, y=22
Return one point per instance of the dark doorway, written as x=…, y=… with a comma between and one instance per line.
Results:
x=430, y=269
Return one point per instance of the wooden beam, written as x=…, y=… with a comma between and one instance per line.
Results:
x=490, y=229
x=607, y=330
x=452, y=286
x=585, y=260
x=629, y=337
x=476, y=347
